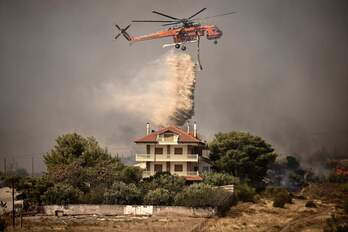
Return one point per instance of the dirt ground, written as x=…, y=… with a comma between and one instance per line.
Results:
x=262, y=216
x=112, y=223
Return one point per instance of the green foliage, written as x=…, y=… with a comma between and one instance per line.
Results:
x=159, y=196
x=33, y=189
x=62, y=194
x=345, y=205
x=122, y=193
x=337, y=178
x=95, y=196
x=131, y=174
x=241, y=154
x=292, y=163
x=164, y=180
x=2, y=224
x=279, y=202
x=200, y=195
x=219, y=179
x=73, y=147
x=280, y=196
x=245, y=192
x=335, y=224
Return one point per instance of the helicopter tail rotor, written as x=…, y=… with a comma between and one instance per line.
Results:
x=123, y=31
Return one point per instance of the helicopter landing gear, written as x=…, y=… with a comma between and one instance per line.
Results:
x=215, y=42
x=177, y=46
x=183, y=47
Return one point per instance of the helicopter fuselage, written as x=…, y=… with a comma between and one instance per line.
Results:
x=182, y=34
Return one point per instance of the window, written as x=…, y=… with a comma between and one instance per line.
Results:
x=158, y=167
x=168, y=149
x=178, y=168
x=178, y=151
x=168, y=137
x=148, y=149
x=158, y=150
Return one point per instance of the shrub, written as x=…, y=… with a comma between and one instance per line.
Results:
x=2, y=224
x=62, y=194
x=310, y=204
x=121, y=193
x=334, y=224
x=281, y=198
x=95, y=196
x=130, y=174
x=159, y=196
x=344, y=188
x=201, y=195
x=337, y=178
x=345, y=205
x=173, y=184
x=219, y=179
x=245, y=193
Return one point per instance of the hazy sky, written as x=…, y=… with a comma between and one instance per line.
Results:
x=279, y=71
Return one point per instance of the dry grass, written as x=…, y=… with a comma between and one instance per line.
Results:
x=96, y=224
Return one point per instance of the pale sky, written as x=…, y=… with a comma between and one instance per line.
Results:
x=279, y=71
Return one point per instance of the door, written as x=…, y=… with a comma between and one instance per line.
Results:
x=158, y=168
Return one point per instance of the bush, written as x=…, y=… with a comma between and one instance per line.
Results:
x=62, y=194
x=337, y=178
x=245, y=193
x=345, y=205
x=121, y=193
x=310, y=204
x=173, y=184
x=2, y=224
x=219, y=179
x=95, y=196
x=159, y=196
x=281, y=198
x=334, y=224
x=201, y=195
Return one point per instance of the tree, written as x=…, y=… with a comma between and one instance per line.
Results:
x=158, y=196
x=219, y=179
x=241, y=154
x=74, y=147
x=82, y=163
x=121, y=193
x=164, y=180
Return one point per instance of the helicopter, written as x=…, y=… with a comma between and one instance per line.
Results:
x=182, y=30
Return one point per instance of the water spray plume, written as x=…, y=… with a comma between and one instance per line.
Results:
x=162, y=92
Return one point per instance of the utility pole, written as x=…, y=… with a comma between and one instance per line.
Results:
x=13, y=204
x=32, y=166
x=5, y=167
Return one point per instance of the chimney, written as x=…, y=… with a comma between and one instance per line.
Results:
x=195, y=129
x=188, y=127
x=147, y=128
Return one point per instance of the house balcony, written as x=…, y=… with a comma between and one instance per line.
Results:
x=187, y=173
x=166, y=158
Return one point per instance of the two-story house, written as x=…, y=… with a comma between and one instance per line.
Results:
x=172, y=149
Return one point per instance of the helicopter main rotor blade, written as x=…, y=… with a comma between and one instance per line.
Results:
x=159, y=13
x=208, y=17
x=169, y=24
x=153, y=21
x=197, y=13
x=118, y=27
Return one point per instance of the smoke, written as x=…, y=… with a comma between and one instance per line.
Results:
x=162, y=92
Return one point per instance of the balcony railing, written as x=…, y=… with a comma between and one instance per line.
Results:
x=187, y=173
x=166, y=157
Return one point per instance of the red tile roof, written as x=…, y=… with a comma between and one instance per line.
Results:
x=194, y=178
x=184, y=137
